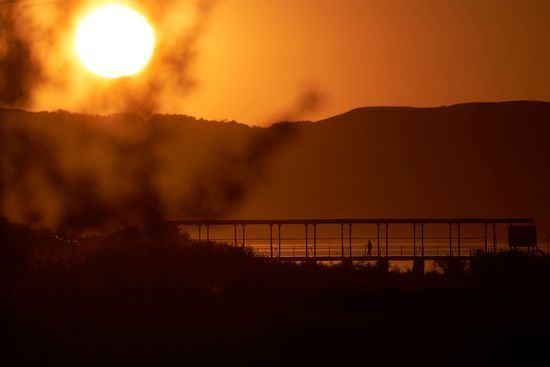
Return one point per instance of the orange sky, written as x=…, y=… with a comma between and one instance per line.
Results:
x=259, y=56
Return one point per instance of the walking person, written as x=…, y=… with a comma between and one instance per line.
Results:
x=369, y=248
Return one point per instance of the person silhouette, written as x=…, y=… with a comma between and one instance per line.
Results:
x=369, y=248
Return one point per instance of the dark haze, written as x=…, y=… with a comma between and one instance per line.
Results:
x=84, y=172
x=18, y=69
x=87, y=172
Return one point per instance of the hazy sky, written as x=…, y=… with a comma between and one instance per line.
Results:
x=258, y=57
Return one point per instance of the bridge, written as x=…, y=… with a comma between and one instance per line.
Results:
x=391, y=239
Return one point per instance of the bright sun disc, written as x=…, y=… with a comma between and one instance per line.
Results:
x=114, y=41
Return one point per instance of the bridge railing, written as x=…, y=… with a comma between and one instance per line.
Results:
x=295, y=247
x=335, y=252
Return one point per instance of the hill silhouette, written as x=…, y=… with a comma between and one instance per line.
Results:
x=477, y=159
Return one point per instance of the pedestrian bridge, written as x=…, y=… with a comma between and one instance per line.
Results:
x=363, y=239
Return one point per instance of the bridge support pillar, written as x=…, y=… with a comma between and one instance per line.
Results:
x=271, y=240
x=494, y=237
x=350, y=241
x=414, y=239
x=387, y=240
x=342, y=239
x=450, y=239
x=378, y=239
x=422, y=238
x=307, y=245
x=458, y=240
x=485, y=237
x=315, y=240
x=279, y=238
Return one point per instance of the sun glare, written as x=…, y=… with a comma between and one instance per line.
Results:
x=114, y=41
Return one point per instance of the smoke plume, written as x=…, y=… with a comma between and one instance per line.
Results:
x=82, y=172
x=310, y=99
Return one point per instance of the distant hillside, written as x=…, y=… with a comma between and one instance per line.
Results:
x=478, y=159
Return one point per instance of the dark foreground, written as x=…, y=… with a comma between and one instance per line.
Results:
x=141, y=298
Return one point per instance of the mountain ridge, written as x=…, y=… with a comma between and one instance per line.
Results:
x=352, y=112
x=446, y=108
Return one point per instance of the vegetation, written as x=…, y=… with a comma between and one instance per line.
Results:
x=155, y=296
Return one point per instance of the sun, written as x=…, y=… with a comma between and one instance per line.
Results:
x=114, y=41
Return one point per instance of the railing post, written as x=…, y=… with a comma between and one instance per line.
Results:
x=235, y=234
x=207, y=233
x=199, y=228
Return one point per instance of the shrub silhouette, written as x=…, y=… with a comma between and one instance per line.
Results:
x=150, y=295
